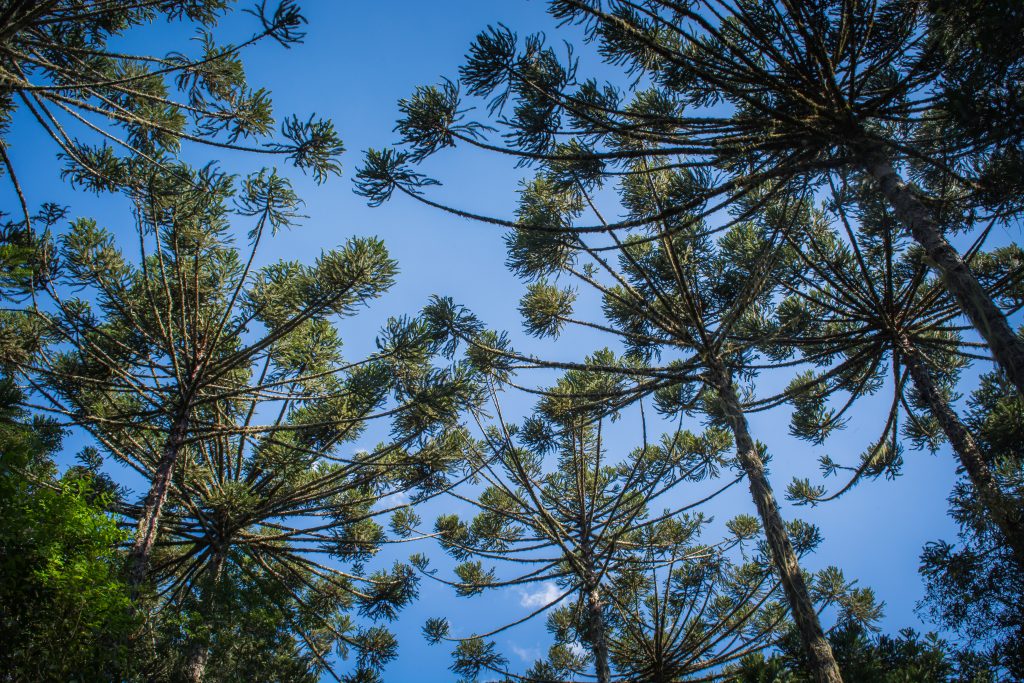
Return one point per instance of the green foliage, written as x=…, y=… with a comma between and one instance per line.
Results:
x=435, y=630
x=404, y=521
x=387, y=592
x=974, y=587
x=225, y=384
x=539, y=247
x=67, y=64
x=812, y=419
x=545, y=308
x=250, y=621
x=65, y=613
x=473, y=577
x=474, y=655
x=902, y=658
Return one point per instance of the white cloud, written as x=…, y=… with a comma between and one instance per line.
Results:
x=395, y=499
x=578, y=649
x=527, y=654
x=547, y=594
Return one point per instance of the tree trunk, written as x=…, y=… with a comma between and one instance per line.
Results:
x=1007, y=348
x=1002, y=511
x=598, y=634
x=149, y=520
x=198, y=646
x=819, y=653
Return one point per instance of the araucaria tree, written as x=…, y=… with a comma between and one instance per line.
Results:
x=576, y=524
x=638, y=596
x=755, y=205
x=222, y=384
x=673, y=294
x=862, y=305
x=973, y=588
x=736, y=116
x=277, y=507
x=787, y=91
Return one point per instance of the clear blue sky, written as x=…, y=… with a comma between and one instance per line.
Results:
x=359, y=58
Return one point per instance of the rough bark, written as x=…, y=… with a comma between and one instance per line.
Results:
x=1006, y=347
x=198, y=647
x=598, y=634
x=819, y=653
x=152, y=508
x=1000, y=509
x=195, y=663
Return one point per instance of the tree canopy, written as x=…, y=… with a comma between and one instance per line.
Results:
x=765, y=251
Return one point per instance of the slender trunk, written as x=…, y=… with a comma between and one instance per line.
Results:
x=819, y=652
x=1001, y=510
x=1007, y=348
x=598, y=633
x=149, y=520
x=198, y=646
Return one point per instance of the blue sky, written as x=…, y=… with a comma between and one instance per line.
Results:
x=358, y=59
